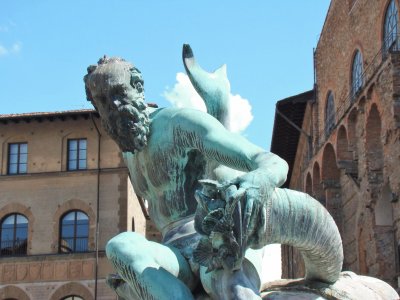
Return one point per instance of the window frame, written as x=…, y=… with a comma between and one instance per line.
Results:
x=72, y=297
x=62, y=248
x=329, y=114
x=14, y=251
x=18, y=163
x=77, y=160
x=357, y=72
x=390, y=34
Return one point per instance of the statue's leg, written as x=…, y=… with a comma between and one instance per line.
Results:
x=152, y=270
x=242, y=284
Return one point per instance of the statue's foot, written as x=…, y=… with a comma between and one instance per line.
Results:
x=350, y=286
x=120, y=287
x=114, y=281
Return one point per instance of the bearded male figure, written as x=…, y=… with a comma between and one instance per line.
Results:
x=169, y=151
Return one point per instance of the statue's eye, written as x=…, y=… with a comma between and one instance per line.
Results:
x=139, y=86
x=117, y=95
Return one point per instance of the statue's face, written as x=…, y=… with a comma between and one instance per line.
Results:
x=122, y=93
x=116, y=89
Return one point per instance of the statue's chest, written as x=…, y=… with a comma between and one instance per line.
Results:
x=167, y=167
x=155, y=170
x=169, y=179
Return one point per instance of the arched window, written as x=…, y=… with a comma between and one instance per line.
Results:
x=74, y=232
x=14, y=235
x=329, y=114
x=72, y=298
x=390, y=29
x=357, y=74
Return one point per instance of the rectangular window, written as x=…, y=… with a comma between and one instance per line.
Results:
x=76, y=154
x=17, y=158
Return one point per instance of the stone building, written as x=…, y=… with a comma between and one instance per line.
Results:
x=64, y=192
x=345, y=138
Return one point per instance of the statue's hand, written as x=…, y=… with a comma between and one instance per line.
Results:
x=255, y=188
x=258, y=185
x=228, y=214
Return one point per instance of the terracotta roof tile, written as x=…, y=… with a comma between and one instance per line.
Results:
x=46, y=114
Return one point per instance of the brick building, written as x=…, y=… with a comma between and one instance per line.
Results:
x=64, y=192
x=342, y=139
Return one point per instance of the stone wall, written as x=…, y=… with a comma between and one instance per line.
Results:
x=354, y=170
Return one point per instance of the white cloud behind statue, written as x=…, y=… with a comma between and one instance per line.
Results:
x=183, y=94
x=13, y=49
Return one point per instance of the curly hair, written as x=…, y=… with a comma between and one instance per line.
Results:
x=122, y=109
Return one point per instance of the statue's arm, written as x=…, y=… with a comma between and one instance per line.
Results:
x=203, y=132
x=263, y=172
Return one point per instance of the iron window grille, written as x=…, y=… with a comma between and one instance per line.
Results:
x=77, y=149
x=329, y=114
x=74, y=232
x=73, y=297
x=14, y=235
x=390, y=29
x=357, y=71
x=17, y=158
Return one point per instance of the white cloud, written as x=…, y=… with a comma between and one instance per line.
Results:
x=14, y=49
x=8, y=26
x=3, y=50
x=183, y=94
x=240, y=113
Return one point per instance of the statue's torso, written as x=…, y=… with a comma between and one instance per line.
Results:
x=167, y=182
x=166, y=173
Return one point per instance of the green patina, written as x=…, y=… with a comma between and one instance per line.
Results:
x=214, y=195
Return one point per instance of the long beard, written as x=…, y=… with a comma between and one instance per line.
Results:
x=129, y=128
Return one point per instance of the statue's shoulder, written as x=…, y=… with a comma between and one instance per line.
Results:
x=175, y=111
x=180, y=115
x=171, y=123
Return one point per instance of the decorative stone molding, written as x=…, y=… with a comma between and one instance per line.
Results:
x=47, y=269
x=72, y=288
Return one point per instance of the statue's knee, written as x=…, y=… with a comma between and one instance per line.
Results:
x=129, y=251
x=125, y=244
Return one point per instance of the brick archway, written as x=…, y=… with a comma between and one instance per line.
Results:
x=18, y=208
x=74, y=204
x=308, y=184
x=352, y=133
x=344, y=154
x=380, y=197
x=342, y=145
x=331, y=183
x=318, y=191
x=329, y=171
x=374, y=147
x=13, y=292
x=72, y=288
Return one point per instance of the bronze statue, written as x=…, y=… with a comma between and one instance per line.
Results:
x=214, y=195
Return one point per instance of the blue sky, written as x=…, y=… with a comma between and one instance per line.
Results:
x=46, y=46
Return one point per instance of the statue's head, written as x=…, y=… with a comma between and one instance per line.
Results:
x=115, y=88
